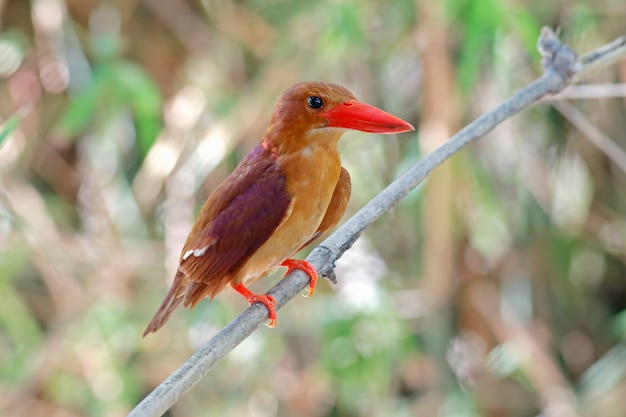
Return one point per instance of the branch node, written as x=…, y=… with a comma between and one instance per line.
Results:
x=325, y=253
x=330, y=275
x=557, y=57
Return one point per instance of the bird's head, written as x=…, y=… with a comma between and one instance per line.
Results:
x=309, y=106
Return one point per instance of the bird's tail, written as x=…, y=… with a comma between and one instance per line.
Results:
x=172, y=300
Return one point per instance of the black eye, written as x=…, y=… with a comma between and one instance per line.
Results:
x=315, y=102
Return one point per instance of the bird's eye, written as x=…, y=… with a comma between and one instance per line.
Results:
x=315, y=102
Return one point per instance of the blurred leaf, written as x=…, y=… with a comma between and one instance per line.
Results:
x=505, y=360
x=583, y=15
x=606, y=372
x=69, y=389
x=117, y=85
x=20, y=327
x=460, y=404
x=9, y=126
x=619, y=325
x=145, y=101
x=80, y=111
x=343, y=31
x=477, y=41
x=524, y=25
x=482, y=23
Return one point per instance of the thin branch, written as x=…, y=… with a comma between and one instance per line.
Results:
x=595, y=135
x=590, y=91
x=560, y=67
x=599, y=58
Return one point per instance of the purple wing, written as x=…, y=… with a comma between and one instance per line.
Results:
x=241, y=214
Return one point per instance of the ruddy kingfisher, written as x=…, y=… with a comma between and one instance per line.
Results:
x=285, y=193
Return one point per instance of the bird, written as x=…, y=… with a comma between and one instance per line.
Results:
x=285, y=193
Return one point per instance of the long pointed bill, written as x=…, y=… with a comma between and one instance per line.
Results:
x=360, y=116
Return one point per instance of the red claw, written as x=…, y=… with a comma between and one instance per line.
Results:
x=267, y=300
x=305, y=266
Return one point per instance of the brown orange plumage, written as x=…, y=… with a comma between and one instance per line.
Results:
x=284, y=194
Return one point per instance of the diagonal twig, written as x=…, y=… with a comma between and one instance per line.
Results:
x=595, y=135
x=590, y=91
x=561, y=67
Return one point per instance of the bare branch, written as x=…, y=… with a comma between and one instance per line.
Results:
x=595, y=135
x=600, y=58
x=590, y=91
x=561, y=66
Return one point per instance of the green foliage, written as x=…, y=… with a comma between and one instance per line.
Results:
x=22, y=333
x=116, y=87
x=483, y=25
x=8, y=127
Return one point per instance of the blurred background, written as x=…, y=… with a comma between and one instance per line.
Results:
x=498, y=288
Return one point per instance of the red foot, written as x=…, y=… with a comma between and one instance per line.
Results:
x=305, y=266
x=267, y=300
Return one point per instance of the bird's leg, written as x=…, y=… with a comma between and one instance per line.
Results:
x=267, y=300
x=305, y=266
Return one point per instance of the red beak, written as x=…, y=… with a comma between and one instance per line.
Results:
x=360, y=116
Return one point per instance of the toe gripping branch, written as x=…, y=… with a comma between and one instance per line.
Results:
x=305, y=266
x=267, y=300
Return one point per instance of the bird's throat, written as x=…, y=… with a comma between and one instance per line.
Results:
x=294, y=140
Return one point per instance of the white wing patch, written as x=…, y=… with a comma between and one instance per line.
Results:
x=195, y=252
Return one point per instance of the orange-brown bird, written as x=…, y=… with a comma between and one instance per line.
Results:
x=284, y=194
